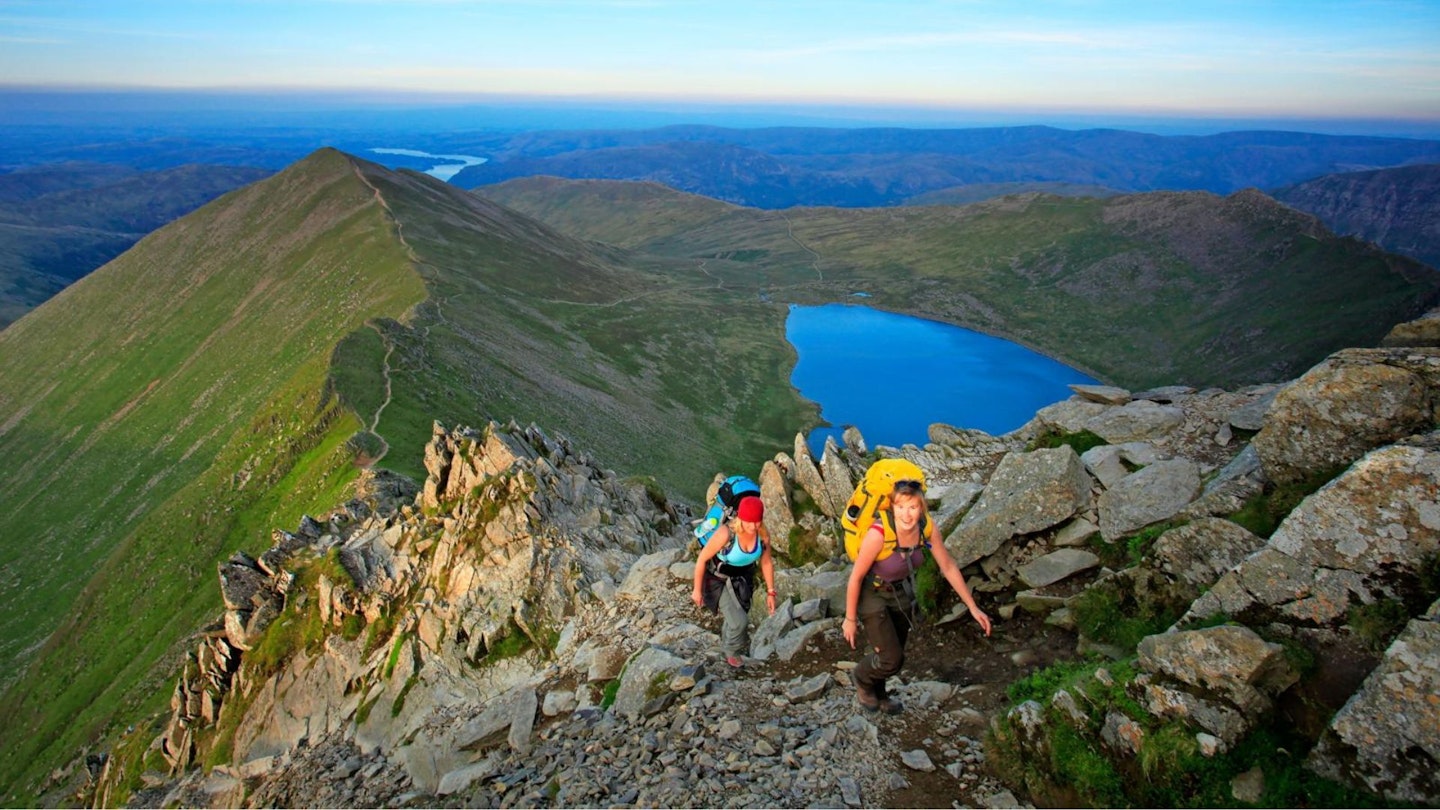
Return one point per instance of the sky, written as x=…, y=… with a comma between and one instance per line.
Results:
x=1314, y=59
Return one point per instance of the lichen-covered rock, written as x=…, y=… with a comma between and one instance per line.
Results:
x=1365, y=536
x=1136, y=421
x=1353, y=402
x=1027, y=493
x=1150, y=495
x=1387, y=737
x=1198, y=553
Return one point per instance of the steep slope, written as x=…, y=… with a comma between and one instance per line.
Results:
x=523, y=323
x=229, y=372
x=1398, y=209
x=1143, y=289
x=153, y=415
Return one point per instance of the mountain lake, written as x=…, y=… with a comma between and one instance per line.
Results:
x=448, y=167
x=892, y=376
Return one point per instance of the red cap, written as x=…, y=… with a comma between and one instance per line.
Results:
x=751, y=509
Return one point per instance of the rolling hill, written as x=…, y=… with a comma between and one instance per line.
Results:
x=1141, y=290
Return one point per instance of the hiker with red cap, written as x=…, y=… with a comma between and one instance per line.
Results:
x=725, y=575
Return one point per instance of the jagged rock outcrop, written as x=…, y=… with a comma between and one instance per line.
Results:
x=1355, y=400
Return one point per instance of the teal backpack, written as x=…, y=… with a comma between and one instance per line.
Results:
x=727, y=498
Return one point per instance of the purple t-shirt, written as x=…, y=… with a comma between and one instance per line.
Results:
x=893, y=568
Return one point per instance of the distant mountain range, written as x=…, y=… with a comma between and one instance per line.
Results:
x=784, y=167
x=60, y=217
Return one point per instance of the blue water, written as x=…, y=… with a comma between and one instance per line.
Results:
x=892, y=376
x=446, y=170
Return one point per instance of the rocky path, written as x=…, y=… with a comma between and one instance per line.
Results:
x=771, y=734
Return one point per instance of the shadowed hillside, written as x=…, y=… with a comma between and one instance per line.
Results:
x=1398, y=209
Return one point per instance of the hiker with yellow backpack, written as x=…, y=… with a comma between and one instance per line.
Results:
x=887, y=528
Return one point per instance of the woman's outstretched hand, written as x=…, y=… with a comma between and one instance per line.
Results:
x=848, y=627
x=982, y=620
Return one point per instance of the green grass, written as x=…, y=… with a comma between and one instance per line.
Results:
x=1263, y=513
x=173, y=455
x=1138, y=545
x=1080, y=441
x=1106, y=614
x=1167, y=771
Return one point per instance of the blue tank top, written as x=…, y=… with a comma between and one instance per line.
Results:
x=736, y=557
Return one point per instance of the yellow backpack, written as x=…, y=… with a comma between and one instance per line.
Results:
x=871, y=502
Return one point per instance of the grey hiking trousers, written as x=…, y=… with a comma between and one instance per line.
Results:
x=735, y=628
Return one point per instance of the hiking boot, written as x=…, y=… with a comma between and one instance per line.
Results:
x=890, y=705
x=867, y=699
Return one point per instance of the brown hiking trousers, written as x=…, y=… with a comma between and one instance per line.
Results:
x=887, y=613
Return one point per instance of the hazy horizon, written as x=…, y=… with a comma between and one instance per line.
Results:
x=1340, y=66
x=199, y=109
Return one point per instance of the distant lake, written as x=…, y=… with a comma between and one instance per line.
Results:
x=448, y=166
x=892, y=376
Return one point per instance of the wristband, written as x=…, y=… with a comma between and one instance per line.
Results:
x=772, y=593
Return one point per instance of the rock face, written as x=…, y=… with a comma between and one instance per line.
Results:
x=1388, y=735
x=1355, y=400
x=517, y=631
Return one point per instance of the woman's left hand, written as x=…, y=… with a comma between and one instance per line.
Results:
x=981, y=619
x=770, y=601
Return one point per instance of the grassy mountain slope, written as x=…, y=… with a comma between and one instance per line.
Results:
x=58, y=223
x=220, y=378
x=618, y=350
x=1141, y=290
x=166, y=409
x=1398, y=209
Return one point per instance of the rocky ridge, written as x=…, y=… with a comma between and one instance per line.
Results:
x=518, y=631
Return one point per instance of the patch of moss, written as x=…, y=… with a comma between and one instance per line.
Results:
x=1042, y=683
x=1079, y=441
x=607, y=695
x=1378, y=623
x=513, y=643
x=659, y=685
x=1077, y=761
x=1263, y=513
x=1105, y=614
x=1139, y=544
